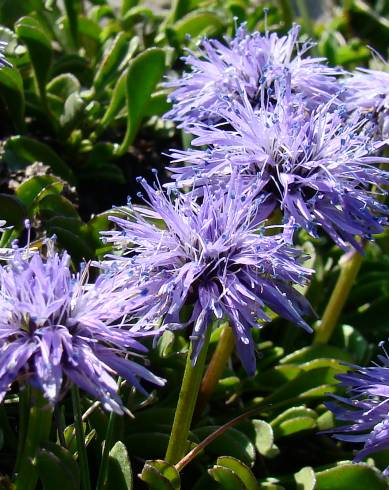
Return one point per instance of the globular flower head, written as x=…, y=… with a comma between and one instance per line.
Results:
x=208, y=254
x=320, y=169
x=366, y=409
x=250, y=63
x=368, y=91
x=56, y=329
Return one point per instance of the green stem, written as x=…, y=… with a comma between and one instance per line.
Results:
x=186, y=403
x=38, y=430
x=82, y=455
x=216, y=367
x=348, y=272
x=108, y=443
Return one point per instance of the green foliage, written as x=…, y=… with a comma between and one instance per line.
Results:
x=119, y=472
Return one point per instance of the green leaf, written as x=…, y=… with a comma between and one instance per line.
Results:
x=30, y=189
x=89, y=28
x=297, y=424
x=178, y=9
x=354, y=476
x=198, y=24
x=291, y=413
x=56, y=464
x=313, y=352
x=227, y=478
x=143, y=75
x=21, y=151
x=160, y=475
x=12, y=210
x=241, y=470
x=12, y=92
x=10, y=10
x=116, y=102
x=30, y=31
x=264, y=438
x=71, y=236
x=119, y=473
x=293, y=420
x=310, y=384
x=63, y=85
x=56, y=205
x=231, y=443
x=72, y=111
x=113, y=56
x=72, y=16
x=72, y=63
x=157, y=105
x=305, y=479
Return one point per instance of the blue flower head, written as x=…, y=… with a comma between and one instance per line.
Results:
x=368, y=91
x=208, y=253
x=249, y=64
x=319, y=168
x=56, y=329
x=366, y=409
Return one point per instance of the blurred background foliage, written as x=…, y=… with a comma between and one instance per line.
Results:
x=82, y=112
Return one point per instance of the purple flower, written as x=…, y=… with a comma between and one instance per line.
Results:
x=250, y=63
x=56, y=329
x=321, y=170
x=366, y=409
x=208, y=254
x=368, y=90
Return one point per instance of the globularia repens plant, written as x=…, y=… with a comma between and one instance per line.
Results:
x=177, y=322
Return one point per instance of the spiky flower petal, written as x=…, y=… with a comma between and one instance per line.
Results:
x=368, y=90
x=208, y=254
x=250, y=63
x=55, y=329
x=366, y=409
x=320, y=169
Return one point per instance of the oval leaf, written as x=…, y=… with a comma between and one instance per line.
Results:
x=143, y=75
x=355, y=476
x=160, y=475
x=119, y=473
x=38, y=44
x=241, y=470
x=56, y=464
x=12, y=92
x=227, y=478
x=21, y=151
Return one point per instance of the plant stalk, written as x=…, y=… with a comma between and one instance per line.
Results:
x=81, y=448
x=38, y=431
x=216, y=367
x=108, y=444
x=348, y=272
x=186, y=403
